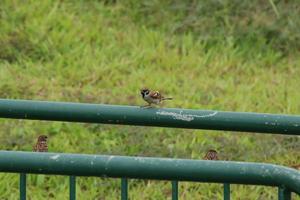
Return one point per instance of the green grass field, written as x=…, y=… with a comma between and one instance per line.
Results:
x=222, y=55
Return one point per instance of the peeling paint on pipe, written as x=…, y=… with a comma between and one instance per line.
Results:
x=162, y=117
x=150, y=168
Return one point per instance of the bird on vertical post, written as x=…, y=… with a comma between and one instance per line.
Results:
x=211, y=155
x=41, y=145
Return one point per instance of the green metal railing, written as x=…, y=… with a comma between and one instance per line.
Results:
x=287, y=180
x=126, y=167
x=134, y=115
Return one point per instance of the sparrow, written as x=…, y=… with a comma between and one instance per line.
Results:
x=296, y=166
x=153, y=97
x=211, y=155
x=41, y=145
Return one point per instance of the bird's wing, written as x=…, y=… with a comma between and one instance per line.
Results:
x=210, y=155
x=155, y=95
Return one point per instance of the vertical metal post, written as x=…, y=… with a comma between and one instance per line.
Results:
x=124, y=189
x=174, y=190
x=72, y=187
x=284, y=193
x=22, y=186
x=226, y=191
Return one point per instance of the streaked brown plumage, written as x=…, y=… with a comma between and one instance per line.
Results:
x=153, y=97
x=41, y=145
x=296, y=166
x=211, y=155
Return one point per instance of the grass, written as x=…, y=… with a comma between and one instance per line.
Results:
x=222, y=55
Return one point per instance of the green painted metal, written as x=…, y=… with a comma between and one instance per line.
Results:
x=288, y=180
x=72, y=186
x=150, y=168
x=133, y=115
x=124, y=189
x=22, y=186
x=284, y=193
x=226, y=191
x=174, y=190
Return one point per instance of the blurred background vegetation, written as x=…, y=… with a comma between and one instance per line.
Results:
x=223, y=55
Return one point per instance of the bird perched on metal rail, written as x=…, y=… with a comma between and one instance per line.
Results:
x=41, y=145
x=153, y=97
x=211, y=155
x=296, y=166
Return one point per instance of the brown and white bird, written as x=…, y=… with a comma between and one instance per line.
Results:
x=153, y=97
x=211, y=155
x=296, y=166
x=41, y=145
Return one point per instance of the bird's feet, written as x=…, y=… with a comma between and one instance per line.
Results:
x=146, y=106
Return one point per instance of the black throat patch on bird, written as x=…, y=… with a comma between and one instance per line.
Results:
x=144, y=92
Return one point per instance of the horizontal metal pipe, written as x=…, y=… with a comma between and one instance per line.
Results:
x=150, y=168
x=163, y=117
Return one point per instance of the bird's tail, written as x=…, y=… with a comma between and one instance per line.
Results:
x=167, y=98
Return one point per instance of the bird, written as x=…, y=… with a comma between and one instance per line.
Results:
x=296, y=166
x=41, y=145
x=153, y=97
x=211, y=155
